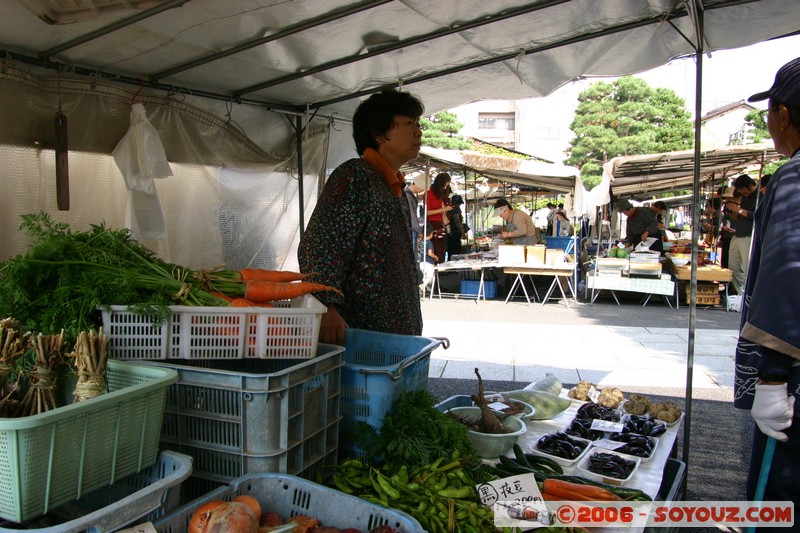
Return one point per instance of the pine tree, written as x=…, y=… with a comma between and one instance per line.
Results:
x=626, y=117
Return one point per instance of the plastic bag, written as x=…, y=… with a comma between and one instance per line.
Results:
x=139, y=155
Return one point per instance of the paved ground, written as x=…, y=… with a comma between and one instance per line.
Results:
x=630, y=346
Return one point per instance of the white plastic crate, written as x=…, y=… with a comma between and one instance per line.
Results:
x=291, y=496
x=151, y=494
x=645, y=257
x=287, y=331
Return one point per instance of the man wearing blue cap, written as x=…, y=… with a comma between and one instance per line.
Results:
x=767, y=379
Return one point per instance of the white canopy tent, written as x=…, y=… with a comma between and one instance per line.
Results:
x=236, y=71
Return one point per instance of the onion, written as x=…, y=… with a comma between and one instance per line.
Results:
x=231, y=517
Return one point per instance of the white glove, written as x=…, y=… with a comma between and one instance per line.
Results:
x=772, y=410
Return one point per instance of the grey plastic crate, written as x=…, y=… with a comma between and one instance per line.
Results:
x=240, y=416
x=141, y=497
x=291, y=496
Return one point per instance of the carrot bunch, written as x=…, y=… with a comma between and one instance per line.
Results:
x=560, y=490
x=249, y=287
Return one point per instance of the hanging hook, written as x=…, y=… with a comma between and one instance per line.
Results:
x=135, y=99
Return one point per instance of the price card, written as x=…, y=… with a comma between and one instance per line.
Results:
x=593, y=394
x=494, y=397
x=516, y=501
x=608, y=444
x=498, y=406
x=607, y=425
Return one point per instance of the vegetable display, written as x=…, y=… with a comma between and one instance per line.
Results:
x=595, y=411
x=561, y=445
x=582, y=427
x=441, y=496
x=638, y=445
x=644, y=425
x=610, y=465
x=66, y=275
x=544, y=469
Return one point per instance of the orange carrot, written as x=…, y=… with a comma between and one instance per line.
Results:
x=251, y=274
x=223, y=296
x=270, y=291
x=572, y=491
x=244, y=302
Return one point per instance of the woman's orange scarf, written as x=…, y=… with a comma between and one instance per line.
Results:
x=394, y=181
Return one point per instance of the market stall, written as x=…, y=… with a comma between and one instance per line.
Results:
x=278, y=118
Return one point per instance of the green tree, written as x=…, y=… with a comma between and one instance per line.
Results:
x=756, y=122
x=626, y=117
x=441, y=131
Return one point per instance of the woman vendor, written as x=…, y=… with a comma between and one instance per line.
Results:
x=520, y=228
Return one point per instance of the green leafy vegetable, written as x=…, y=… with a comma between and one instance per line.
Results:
x=414, y=433
x=66, y=275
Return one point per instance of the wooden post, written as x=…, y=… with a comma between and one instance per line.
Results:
x=62, y=163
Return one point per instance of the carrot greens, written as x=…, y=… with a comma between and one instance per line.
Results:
x=66, y=275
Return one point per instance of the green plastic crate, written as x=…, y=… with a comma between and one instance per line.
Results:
x=56, y=457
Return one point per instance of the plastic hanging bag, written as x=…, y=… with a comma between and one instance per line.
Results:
x=139, y=155
x=141, y=159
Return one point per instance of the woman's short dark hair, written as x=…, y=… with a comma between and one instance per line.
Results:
x=375, y=116
x=439, y=184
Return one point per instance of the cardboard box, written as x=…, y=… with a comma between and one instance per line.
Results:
x=554, y=256
x=704, y=273
x=703, y=289
x=535, y=255
x=705, y=299
x=511, y=254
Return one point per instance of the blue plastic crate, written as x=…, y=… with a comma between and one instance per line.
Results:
x=564, y=243
x=471, y=286
x=378, y=368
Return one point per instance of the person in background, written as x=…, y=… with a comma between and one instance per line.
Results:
x=431, y=259
x=561, y=225
x=767, y=378
x=552, y=207
x=762, y=184
x=520, y=228
x=438, y=205
x=640, y=226
x=726, y=230
x=358, y=237
x=659, y=209
x=411, y=193
x=739, y=251
x=456, y=232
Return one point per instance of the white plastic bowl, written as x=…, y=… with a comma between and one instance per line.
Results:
x=679, y=261
x=488, y=446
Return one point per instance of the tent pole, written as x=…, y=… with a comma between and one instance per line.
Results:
x=300, y=172
x=698, y=12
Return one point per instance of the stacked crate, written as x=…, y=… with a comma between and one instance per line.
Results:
x=707, y=293
x=255, y=393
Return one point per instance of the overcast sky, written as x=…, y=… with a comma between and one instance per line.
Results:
x=728, y=75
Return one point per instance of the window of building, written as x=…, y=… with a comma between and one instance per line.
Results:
x=496, y=121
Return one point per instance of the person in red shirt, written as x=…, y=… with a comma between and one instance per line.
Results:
x=438, y=204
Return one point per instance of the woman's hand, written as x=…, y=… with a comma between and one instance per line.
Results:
x=332, y=326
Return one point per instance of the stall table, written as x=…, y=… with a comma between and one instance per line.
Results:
x=713, y=273
x=558, y=271
x=648, y=477
x=467, y=265
x=662, y=285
